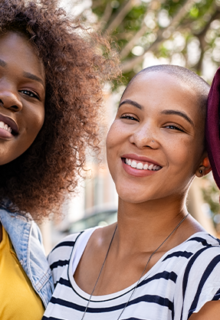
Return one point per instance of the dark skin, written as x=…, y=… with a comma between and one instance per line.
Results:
x=149, y=207
x=22, y=95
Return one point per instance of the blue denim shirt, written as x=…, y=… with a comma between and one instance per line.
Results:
x=27, y=242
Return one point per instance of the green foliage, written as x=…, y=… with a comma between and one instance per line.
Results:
x=154, y=17
x=194, y=12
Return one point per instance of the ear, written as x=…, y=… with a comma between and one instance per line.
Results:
x=204, y=168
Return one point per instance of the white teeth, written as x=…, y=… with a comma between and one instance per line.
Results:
x=5, y=126
x=133, y=164
x=140, y=165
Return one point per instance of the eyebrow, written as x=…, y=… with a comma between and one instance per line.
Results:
x=175, y=112
x=133, y=103
x=33, y=77
x=179, y=113
x=25, y=74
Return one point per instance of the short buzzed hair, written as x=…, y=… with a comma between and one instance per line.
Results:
x=187, y=76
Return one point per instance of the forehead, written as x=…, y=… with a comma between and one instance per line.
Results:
x=159, y=82
x=160, y=90
x=17, y=49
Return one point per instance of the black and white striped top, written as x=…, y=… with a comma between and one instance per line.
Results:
x=179, y=284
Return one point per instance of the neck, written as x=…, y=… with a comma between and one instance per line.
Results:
x=146, y=225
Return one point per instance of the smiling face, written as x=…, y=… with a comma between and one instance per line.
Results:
x=22, y=95
x=156, y=143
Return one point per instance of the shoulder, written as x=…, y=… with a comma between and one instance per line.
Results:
x=200, y=251
x=203, y=267
x=196, y=263
x=204, y=238
x=200, y=244
x=59, y=257
x=199, y=277
x=62, y=251
x=203, y=246
x=195, y=269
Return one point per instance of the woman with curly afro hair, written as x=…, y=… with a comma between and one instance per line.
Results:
x=51, y=76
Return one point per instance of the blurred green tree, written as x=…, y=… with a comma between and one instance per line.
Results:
x=184, y=32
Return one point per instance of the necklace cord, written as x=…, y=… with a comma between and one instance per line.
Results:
x=132, y=293
x=148, y=261
x=103, y=264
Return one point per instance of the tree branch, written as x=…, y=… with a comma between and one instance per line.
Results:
x=96, y=4
x=150, y=9
x=161, y=35
x=198, y=65
x=129, y=46
x=214, y=16
x=201, y=38
x=106, y=16
x=127, y=35
x=120, y=16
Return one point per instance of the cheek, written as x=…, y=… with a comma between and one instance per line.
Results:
x=114, y=142
x=184, y=156
x=109, y=138
x=110, y=145
x=179, y=150
x=112, y=139
x=118, y=134
x=34, y=122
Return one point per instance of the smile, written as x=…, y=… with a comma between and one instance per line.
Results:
x=5, y=127
x=9, y=125
x=141, y=165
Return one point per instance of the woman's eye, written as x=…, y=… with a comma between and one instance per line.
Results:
x=129, y=117
x=30, y=94
x=172, y=127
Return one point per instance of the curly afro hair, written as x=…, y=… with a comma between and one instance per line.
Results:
x=75, y=70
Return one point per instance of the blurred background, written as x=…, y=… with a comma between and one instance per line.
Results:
x=145, y=33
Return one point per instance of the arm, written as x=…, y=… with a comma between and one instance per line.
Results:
x=210, y=311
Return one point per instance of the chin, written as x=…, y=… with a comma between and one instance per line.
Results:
x=133, y=196
x=6, y=160
x=7, y=156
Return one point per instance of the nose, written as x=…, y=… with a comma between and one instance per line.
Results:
x=145, y=136
x=10, y=100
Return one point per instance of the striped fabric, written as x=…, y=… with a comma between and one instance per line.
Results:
x=179, y=284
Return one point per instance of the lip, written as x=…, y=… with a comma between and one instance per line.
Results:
x=137, y=173
x=10, y=122
x=140, y=158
